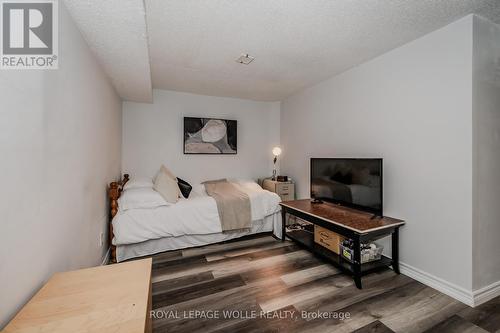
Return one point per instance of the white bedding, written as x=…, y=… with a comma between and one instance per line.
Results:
x=270, y=223
x=197, y=215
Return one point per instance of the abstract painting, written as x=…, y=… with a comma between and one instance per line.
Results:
x=210, y=136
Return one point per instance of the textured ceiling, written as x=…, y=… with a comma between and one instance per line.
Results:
x=116, y=32
x=193, y=44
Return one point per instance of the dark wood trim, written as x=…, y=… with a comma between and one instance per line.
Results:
x=345, y=217
x=114, y=191
x=395, y=250
x=354, y=267
x=283, y=224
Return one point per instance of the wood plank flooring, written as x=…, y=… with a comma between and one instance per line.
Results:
x=260, y=284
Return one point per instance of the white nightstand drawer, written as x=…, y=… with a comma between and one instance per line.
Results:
x=286, y=191
x=284, y=188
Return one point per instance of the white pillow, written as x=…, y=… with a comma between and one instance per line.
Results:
x=140, y=198
x=138, y=183
x=241, y=180
x=199, y=189
x=251, y=186
x=167, y=187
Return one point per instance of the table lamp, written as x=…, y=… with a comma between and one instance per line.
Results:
x=276, y=153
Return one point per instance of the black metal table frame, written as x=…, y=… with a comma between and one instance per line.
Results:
x=357, y=237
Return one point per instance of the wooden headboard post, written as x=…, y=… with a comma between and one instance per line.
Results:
x=114, y=192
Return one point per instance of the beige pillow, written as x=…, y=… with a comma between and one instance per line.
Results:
x=169, y=173
x=166, y=171
x=167, y=187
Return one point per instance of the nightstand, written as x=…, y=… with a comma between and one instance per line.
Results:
x=286, y=190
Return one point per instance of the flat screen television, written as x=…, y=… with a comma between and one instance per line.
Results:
x=352, y=182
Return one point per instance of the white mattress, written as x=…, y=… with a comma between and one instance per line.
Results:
x=195, y=216
x=149, y=247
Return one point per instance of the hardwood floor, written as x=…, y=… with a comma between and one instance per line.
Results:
x=263, y=285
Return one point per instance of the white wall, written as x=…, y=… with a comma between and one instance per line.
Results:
x=411, y=106
x=153, y=134
x=60, y=142
x=486, y=139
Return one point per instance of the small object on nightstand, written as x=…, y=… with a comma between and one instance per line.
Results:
x=282, y=178
x=286, y=190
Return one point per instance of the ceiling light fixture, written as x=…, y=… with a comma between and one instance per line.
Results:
x=245, y=59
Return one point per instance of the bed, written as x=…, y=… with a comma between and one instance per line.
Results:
x=191, y=222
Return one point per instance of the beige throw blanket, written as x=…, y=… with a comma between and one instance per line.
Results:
x=233, y=205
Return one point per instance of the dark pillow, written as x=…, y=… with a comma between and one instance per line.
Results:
x=184, y=187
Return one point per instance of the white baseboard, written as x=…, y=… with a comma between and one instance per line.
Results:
x=487, y=293
x=461, y=294
x=105, y=260
x=471, y=298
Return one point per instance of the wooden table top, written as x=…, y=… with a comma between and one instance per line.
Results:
x=111, y=298
x=349, y=218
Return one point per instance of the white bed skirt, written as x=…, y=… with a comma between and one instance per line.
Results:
x=124, y=252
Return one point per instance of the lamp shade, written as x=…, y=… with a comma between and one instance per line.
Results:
x=276, y=151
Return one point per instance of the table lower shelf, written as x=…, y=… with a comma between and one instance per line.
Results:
x=306, y=239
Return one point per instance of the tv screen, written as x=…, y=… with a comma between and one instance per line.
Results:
x=353, y=182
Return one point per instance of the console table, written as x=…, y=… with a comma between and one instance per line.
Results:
x=357, y=225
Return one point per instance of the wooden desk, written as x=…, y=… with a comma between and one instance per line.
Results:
x=359, y=226
x=114, y=298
